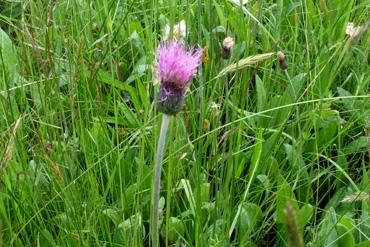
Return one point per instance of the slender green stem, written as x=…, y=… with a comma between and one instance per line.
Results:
x=157, y=178
x=295, y=97
x=200, y=127
x=200, y=74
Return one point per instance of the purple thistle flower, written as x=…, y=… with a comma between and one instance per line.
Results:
x=176, y=68
x=175, y=65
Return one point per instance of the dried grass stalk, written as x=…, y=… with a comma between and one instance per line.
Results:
x=242, y=63
x=9, y=148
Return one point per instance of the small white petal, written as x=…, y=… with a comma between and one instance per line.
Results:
x=166, y=33
x=349, y=29
x=238, y=2
x=179, y=32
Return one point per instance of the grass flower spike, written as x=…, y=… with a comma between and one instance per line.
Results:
x=176, y=68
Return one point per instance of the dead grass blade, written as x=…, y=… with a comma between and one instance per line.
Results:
x=9, y=149
x=358, y=196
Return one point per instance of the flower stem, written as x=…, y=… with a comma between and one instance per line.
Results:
x=157, y=179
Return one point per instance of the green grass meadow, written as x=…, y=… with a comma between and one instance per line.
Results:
x=258, y=156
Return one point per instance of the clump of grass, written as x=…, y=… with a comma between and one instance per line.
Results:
x=249, y=138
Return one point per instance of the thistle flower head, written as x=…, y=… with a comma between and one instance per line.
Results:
x=175, y=65
x=176, y=68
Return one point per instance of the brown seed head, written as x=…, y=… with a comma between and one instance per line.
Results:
x=281, y=57
x=228, y=43
x=227, y=46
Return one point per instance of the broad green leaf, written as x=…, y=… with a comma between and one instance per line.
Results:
x=110, y=80
x=304, y=215
x=216, y=229
x=129, y=115
x=113, y=214
x=131, y=227
x=175, y=229
x=46, y=239
x=250, y=215
x=268, y=149
x=356, y=146
x=8, y=62
x=12, y=10
x=135, y=39
x=139, y=70
x=284, y=194
x=327, y=236
x=289, y=97
x=261, y=94
x=363, y=244
x=345, y=229
x=143, y=93
x=204, y=195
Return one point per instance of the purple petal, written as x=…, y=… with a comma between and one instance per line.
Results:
x=175, y=65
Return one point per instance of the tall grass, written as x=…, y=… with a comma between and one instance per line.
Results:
x=78, y=126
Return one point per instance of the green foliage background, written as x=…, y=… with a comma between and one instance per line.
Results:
x=78, y=127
